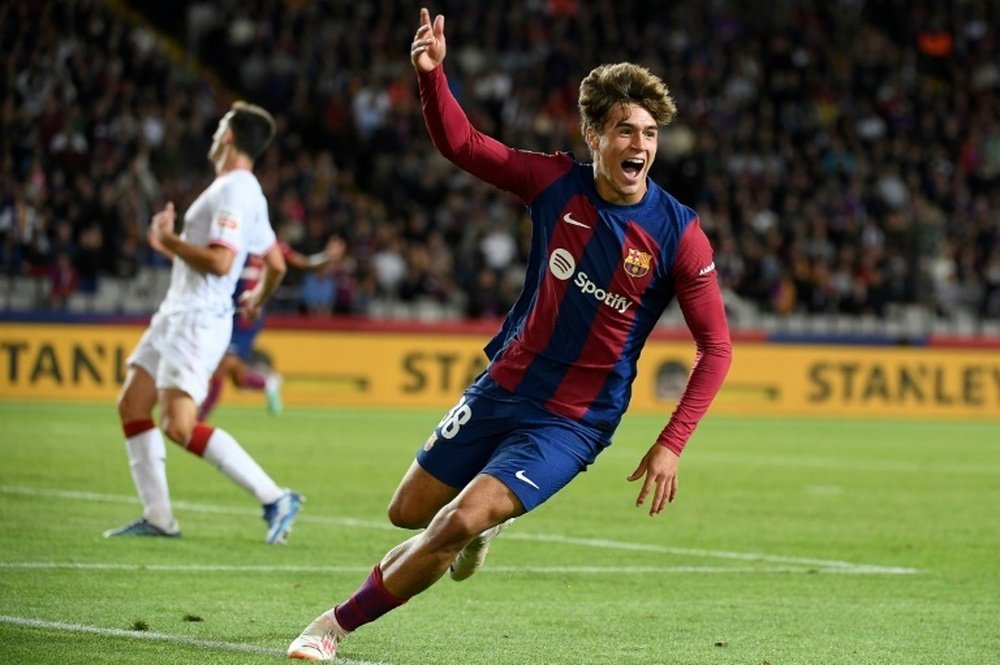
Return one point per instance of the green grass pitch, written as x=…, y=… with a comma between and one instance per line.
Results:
x=792, y=541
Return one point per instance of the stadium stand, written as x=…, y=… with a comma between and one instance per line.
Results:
x=843, y=156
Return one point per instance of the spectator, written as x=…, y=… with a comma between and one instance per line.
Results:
x=63, y=280
x=820, y=128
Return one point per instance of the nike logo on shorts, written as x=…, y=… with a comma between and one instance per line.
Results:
x=520, y=475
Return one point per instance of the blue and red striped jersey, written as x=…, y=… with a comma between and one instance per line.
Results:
x=599, y=277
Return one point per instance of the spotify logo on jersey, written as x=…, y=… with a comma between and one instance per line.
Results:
x=563, y=267
x=562, y=264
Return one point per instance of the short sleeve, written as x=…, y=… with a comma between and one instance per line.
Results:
x=230, y=219
x=264, y=238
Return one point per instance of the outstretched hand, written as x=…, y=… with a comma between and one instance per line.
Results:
x=659, y=466
x=428, y=47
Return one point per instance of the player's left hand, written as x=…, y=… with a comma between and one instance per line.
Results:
x=153, y=240
x=428, y=47
x=659, y=466
x=250, y=305
x=162, y=226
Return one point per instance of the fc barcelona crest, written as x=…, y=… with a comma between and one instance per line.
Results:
x=637, y=263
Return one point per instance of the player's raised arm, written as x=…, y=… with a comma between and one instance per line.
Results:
x=454, y=136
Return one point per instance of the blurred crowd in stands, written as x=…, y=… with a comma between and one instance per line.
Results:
x=843, y=156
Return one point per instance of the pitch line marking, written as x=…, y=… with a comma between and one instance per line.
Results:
x=844, y=566
x=874, y=466
x=543, y=570
x=154, y=637
x=688, y=551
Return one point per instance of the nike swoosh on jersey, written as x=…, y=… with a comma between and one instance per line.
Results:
x=520, y=475
x=707, y=269
x=568, y=218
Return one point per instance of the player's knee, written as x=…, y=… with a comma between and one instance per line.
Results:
x=124, y=408
x=176, y=429
x=402, y=514
x=397, y=515
x=131, y=408
x=457, y=526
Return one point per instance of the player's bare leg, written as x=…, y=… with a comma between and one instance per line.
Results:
x=418, y=498
x=137, y=396
x=241, y=374
x=147, y=457
x=219, y=448
x=419, y=562
x=178, y=415
x=412, y=566
x=472, y=557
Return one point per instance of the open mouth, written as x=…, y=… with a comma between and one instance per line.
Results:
x=633, y=167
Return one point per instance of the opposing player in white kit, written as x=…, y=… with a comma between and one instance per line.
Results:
x=189, y=333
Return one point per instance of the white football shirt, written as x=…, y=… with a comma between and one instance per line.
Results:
x=232, y=211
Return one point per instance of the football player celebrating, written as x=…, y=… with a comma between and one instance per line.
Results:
x=610, y=249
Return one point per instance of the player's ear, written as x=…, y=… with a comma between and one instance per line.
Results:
x=593, y=140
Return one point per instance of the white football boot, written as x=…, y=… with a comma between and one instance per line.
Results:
x=319, y=640
x=472, y=556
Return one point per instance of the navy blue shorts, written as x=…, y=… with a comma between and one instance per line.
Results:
x=244, y=335
x=530, y=450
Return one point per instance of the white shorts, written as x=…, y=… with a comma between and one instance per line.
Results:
x=182, y=350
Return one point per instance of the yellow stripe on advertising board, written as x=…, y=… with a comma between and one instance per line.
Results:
x=327, y=368
x=64, y=362
x=837, y=380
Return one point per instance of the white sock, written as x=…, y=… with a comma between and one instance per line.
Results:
x=236, y=464
x=148, y=461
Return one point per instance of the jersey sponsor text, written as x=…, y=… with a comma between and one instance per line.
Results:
x=616, y=302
